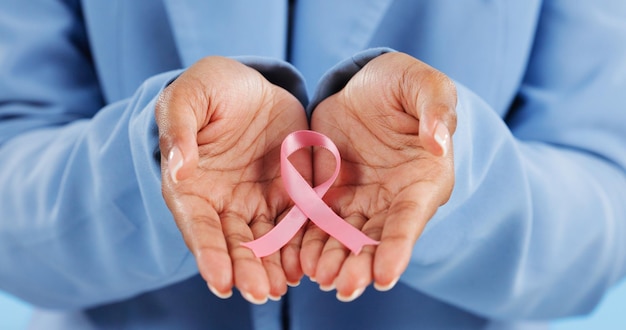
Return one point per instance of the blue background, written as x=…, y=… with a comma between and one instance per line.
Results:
x=610, y=314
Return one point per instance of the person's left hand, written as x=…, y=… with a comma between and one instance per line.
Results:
x=392, y=124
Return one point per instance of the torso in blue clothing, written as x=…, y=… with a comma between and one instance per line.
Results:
x=484, y=45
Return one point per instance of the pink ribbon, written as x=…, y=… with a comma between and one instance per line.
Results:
x=308, y=201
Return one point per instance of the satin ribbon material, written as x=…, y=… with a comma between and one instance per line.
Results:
x=308, y=201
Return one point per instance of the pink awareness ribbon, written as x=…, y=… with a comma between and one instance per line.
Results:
x=308, y=201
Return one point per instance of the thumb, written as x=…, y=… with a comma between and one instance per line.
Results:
x=434, y=130
x=178, y=130
x=431, y=98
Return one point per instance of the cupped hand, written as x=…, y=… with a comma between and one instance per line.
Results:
x=221, y=124
x=392, y=123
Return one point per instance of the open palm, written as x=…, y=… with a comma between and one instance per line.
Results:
x=223, y=187
x=397, y=169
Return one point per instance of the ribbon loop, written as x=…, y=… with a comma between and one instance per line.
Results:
x=308, y=201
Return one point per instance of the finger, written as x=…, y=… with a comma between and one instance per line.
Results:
x=355, y=274
x=405, y=221
x=313, y=242
x=290, y=258
x=178, y=127
x=314, y=245
x=272, y=263
x=357, y=270
x=205, y=239
x=250, y=275
x=276, y=276
x=329, y=263
x=333, y=257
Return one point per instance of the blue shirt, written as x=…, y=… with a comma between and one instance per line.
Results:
x=535, y=228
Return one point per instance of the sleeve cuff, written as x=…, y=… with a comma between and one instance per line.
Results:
x=279, y=73
x=338, y=76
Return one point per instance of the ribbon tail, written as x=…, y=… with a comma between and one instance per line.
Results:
x=341, y=230
x=356, y=242
x=276, y=238
x=323, y=216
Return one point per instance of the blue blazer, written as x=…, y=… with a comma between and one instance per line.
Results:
x=535, y=228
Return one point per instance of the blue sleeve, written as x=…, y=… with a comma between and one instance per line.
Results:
x=536, y=225
x=82, y=218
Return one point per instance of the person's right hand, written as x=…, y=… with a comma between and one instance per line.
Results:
x=221, y=125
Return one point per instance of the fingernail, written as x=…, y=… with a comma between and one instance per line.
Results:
x=274, y=298
x=327, y=288
x=247, y=296
x=442, y=135
x=355, y=294
x=312, y=279
x=222, y=295
x=293, y=284
x=174, y=162
x=386, y=287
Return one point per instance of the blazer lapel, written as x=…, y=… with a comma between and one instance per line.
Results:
x=228, y=28
x=328, y=31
